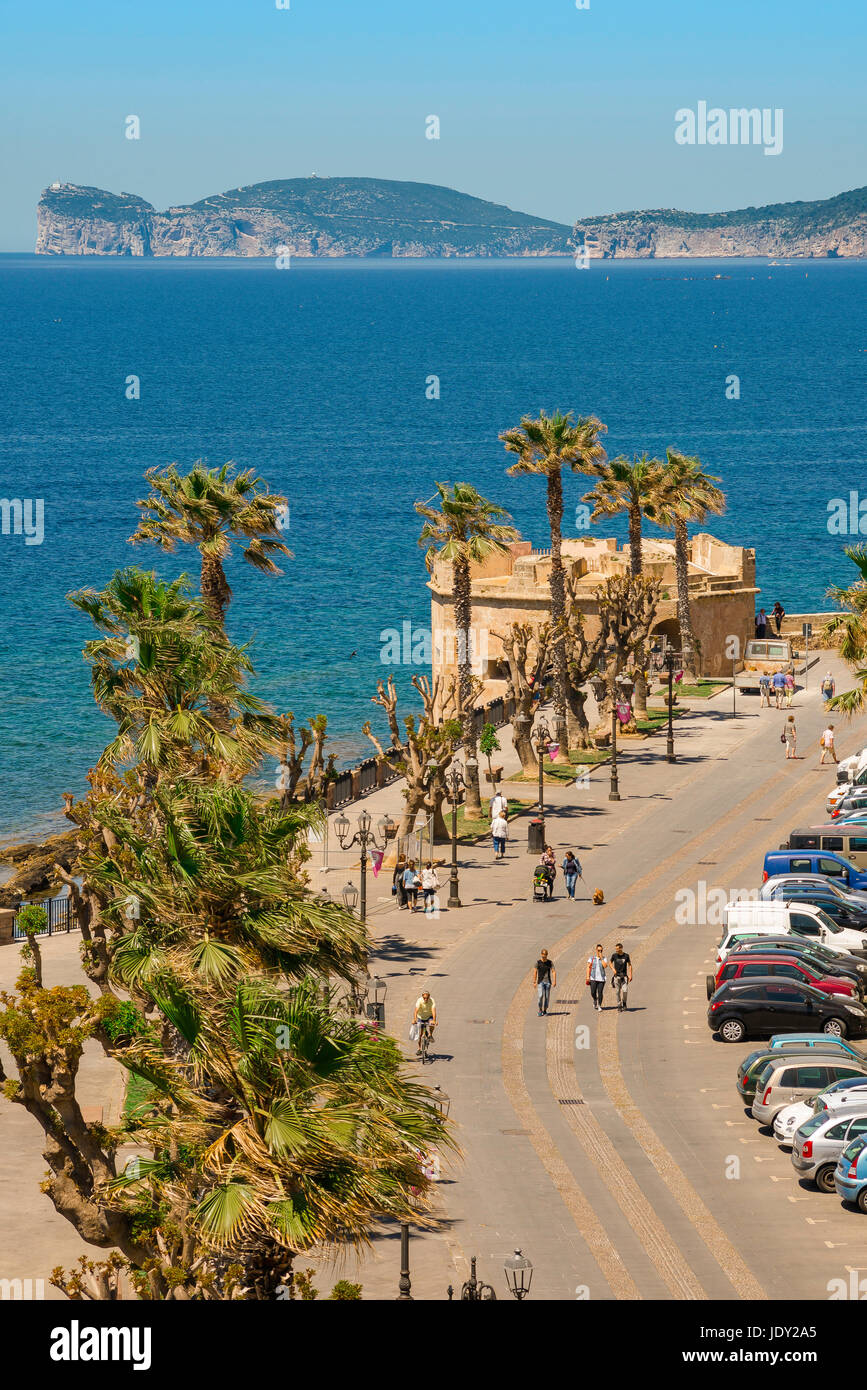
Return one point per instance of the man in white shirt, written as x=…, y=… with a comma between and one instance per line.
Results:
x=499, y=805
x=827, y=742
x=500, y=833
x=596, y=967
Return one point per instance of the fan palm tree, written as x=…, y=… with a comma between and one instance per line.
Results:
x=847, y=630
x=207, y=508
x=546, y=446
x=464, y=531
x=688, y=495
x=632, y=486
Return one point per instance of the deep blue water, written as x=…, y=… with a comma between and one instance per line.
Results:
x=316, y=377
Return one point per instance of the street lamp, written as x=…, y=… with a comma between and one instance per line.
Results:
x=454, y=780
x=671, y=657
x=474, y=1290
x=366, y=837
x=543, y=738
x=519, y=1275
x=602, y=686
x=376, y=1009
x=432, y=769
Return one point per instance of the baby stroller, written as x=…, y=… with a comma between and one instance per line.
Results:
x=540, y=884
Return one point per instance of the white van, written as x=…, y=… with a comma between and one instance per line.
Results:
x=802, y=920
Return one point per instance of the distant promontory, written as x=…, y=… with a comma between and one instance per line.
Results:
x=387, y=218
x=305, y=217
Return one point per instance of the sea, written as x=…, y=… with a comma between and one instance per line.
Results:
x=353, y=386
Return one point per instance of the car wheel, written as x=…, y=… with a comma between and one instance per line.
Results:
x=825, y=1178
x=835, y=1027
x=862, y=1200
x=711, y=985
x=732, y=1031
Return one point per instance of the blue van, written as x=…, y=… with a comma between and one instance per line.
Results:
x=806, y=861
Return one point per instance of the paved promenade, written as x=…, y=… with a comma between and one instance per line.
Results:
x=598, y=1143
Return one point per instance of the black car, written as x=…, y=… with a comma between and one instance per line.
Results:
x=845, y=912
x=847, y=966
x=773, y=1005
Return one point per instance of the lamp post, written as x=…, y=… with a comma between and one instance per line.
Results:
x=441, y=1105
x=543, y=738
x=671, y=657
x=519, y=1275
x=432, y=769
x=455, y=782
x=623, y=687
x=366, y=837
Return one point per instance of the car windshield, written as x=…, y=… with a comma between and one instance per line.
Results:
x=810, y=1126
x=766, y=1073
x=827, y=921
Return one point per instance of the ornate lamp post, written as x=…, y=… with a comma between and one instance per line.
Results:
x=376, y=1006
x=441, y=1104
x=455, y=783
x=519, y=1275
x=621, y=688
x=671, y=658
x=366, y=837
x=543, y=738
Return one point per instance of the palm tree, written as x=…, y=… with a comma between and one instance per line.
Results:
x=632, y=486
x=206, y=508
x=465, y=531
x=688, y=495
x=546, y=446
x=847, y=630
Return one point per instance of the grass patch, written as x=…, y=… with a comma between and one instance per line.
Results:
x=480, y=829
x=657, y=719
x=702, y=691
x=138, y=1093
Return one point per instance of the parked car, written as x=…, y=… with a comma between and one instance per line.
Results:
x=818, y=1144
x=761, y=1006
x=850, y=1175
x=814, y=861
x=838, y=1096
x=753, y=964
x=819, y=881
x=819, y=1044
x=847, y=911
x=855, y=801
x=849, y=967
x=745, y=919
x=787, y=1079
x=848, y=839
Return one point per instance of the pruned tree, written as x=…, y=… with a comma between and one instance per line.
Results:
x=294, y=784
x=526, y=650
x=432, y=737
x=583, y=657
x=627, y=612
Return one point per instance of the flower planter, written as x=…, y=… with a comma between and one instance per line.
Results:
x=494, y=775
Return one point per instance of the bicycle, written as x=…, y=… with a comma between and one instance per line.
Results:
x=425, y=1037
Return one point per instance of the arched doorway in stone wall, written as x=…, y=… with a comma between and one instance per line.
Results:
x=665, y=634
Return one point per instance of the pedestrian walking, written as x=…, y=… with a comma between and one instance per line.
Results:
x=499, y=805
x=411, y=885
x=827, y=688
x=499, y=834
x=571, y=872
x=765, y=690
x=429, y=885
x=397, y=887
x=596, y=967
x=549, y=864
x=778, y=682
x=826, y=743
x=790, y=689
x=778, y=613
x=544, y=976
x=621, y=965
x=790, y=737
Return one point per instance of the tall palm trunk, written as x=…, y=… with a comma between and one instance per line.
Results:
x=215, y=589
x=463, y=620
x=558, y=614
x=684, y=617
x=639, y=698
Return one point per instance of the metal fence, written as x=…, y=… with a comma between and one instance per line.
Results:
x=61, y=918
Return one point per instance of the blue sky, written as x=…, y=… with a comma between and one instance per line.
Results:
x=553, y=110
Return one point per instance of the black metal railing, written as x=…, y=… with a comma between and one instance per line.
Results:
x=60, y=918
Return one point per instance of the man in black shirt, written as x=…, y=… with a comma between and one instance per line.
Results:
x=544, y=976
x=621, y=964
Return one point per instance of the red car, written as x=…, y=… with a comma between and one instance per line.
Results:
x=755, y=964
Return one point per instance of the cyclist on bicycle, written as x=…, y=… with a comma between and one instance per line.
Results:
x=425, y=1013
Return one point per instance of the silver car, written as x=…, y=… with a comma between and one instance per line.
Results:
x=789, y=1079
x=820, y=1141
x=841, y=1094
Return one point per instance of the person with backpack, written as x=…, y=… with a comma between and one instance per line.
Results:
x=765, y=690
x=571, y=872
x=621, y=965
x=827, y=688
x=429, y=885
